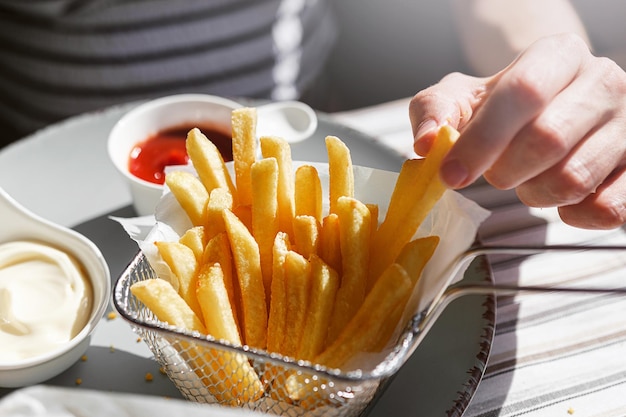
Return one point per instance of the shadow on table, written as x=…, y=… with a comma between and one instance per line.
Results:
x=111, y=370
x=116, y=246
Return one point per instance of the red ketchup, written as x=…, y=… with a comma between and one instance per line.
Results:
x=149, y=158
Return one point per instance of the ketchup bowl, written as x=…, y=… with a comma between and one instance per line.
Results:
x=151, y=136
x=153, y=119
x=54, y=288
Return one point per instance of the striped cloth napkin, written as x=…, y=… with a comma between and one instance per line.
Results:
x=553, y=354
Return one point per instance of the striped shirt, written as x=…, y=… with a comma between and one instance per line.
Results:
x=59, y=58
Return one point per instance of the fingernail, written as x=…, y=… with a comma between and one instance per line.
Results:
x=424, y=137
x=425, y=127
x=453, y=173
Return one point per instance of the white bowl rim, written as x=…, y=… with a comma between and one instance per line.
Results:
x=150, y=105
x=99, y=306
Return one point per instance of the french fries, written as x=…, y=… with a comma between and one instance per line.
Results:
x=194, y=240
x=252, y=291
x=264, y=174
x=354, y=241
x=278, y=148
x=264, y=266
x=341, y=182
x=308, y=193
x=278, y=303
x=208, y=162
x=184, y=265
x=297, y=284
x=244, y=148
x=417, y=190
x=234, y=381
x=220, y=199
x=190, y=193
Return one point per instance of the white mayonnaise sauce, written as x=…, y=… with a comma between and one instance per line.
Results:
x=45, y=299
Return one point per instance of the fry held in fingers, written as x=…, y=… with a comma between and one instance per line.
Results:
x=417, y=190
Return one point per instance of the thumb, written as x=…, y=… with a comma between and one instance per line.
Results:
x=450, y=102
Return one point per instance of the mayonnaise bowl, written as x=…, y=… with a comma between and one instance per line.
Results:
x=55, y=251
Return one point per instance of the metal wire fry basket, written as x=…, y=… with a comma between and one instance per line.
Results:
x=206, y=370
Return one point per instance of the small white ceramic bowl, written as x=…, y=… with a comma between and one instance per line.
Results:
x=293, y=120
x=20, y=224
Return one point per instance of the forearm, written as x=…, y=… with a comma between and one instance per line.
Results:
x=494, y=32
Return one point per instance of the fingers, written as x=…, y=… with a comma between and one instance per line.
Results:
x=550, y=125
x=452, y=101
x=566, y=121
x=604, y=209
x=518, y=96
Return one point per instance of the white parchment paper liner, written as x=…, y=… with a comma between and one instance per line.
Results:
x=455, y=219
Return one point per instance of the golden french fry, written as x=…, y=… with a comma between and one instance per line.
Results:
x=228, y=376
x=248, y=266
x=190, y=194
x=244, y=214
x=341, y=176
x=220, y=199
x=167, y=304
x=243, y=122
x=277, y=321
x=183, y=264
x=233, y=380
x=275, y=147
x=217, y=250
x=324, y=285
x=308, y=192
x=208, y=162
x=265, y=213
x=221, y=324
x=194, y=240
x=359, y=336
x=363, y=332
x=355, y=240
x=306, y=232
x=373, y=208
x=278, y=297
x=297, y=284
x=417, y=190
x=416, y=254
x=329, y=248
x=413, y=258
x=217, y=312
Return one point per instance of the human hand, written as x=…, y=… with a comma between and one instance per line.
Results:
x=552, y=125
